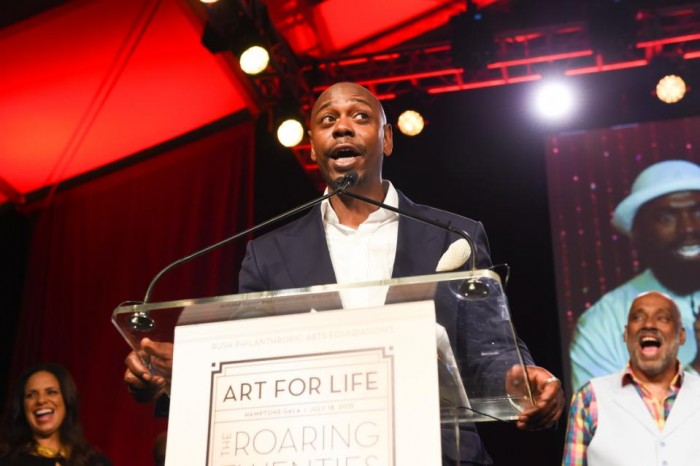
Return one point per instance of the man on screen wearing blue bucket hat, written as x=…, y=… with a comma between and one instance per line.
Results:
x=662, y=216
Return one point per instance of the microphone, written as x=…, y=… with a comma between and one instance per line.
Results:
x=141, y=320
x=473, y=289
x=340, y=185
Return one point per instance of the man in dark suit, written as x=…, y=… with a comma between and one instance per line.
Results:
x=346, y=240
x=271, y=264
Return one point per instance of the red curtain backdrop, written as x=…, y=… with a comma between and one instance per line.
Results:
x=589, y=173
x=100, y=243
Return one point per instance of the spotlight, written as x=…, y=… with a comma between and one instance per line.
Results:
x=231, y=28
x=254, y=60
x=411, y=123
x=290, y=132
x=670, y=89
x=554, y=100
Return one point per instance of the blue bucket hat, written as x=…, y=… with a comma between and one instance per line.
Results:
x=657, y=180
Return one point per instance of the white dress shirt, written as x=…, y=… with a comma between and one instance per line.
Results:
x=363, y=254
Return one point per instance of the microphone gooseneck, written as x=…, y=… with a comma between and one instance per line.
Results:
x=341, y=183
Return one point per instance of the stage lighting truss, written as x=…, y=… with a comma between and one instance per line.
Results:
x=519, y=56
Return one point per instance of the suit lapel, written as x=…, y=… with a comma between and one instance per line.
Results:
x=418, y=249
x=417, y=245
x=308, y=261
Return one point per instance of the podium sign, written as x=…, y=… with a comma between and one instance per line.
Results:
x=341, y=387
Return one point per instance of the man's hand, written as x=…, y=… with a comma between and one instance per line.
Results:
x=148, y=371
x=546, y=392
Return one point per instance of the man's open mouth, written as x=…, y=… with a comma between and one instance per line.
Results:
x=344, y=153
x=650, y=345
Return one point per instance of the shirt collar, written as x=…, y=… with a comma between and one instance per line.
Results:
x=628, y=376
x=380, y=215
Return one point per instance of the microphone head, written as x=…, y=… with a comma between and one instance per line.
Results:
x=345, y=181
x=351, y=177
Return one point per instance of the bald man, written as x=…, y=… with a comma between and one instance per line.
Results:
x=346, y=240
x=648, y=413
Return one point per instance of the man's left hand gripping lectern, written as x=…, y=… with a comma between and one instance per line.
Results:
x=308, y=377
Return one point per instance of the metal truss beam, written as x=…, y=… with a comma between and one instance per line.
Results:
x=671, y=33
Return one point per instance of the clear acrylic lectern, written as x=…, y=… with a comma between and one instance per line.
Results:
x=480, y=368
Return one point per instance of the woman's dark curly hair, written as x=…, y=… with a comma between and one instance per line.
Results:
x=17, y=435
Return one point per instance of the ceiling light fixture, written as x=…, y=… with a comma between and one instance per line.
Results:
x=554, y=100
x=254, y=60
x=670, y=89
x=411, y=123
x=290, y=132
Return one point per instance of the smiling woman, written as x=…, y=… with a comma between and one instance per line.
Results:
x=41, y=426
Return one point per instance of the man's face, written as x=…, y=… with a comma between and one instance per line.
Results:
x=668, y=228
x=653, y=334
x=349, y=133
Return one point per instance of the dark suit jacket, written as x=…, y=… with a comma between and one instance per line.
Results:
x=296, y=256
